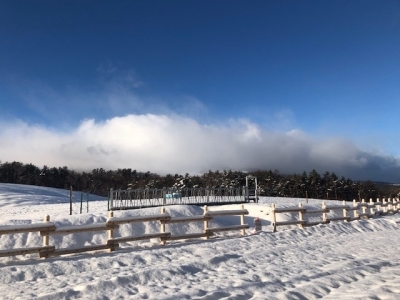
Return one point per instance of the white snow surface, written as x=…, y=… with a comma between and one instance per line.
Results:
x=341, y=260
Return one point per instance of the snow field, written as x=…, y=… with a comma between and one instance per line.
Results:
x=354, y=260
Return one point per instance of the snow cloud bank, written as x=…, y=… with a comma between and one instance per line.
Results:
x=176, y=144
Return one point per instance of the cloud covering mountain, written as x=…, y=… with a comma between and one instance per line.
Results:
x=176, y=144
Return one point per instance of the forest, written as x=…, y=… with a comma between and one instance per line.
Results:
x=270, y=182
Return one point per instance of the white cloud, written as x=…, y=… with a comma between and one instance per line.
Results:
x=176, y=144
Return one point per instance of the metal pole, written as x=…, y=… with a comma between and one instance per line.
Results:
x=246, y=195
x=81, y=202
x=108, y=201
x=70, y=200
x=255, y=192
x=111, y=205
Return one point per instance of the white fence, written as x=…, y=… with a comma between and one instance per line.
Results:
x=359, y=210
x=48, y=229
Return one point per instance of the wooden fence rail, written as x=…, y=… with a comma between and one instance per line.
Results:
x=361, y=210
x=48, y=229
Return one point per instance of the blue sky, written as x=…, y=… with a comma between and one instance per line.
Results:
x=301, y=74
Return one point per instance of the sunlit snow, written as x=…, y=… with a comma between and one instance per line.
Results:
x=354, y=260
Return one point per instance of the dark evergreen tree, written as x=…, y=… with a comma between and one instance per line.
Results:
x=270, y=182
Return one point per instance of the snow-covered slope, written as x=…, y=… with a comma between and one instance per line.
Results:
x=355, y=260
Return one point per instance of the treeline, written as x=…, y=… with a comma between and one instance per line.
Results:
x=270, y=183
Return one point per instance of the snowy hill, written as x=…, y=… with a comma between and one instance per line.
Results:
x=355, y=260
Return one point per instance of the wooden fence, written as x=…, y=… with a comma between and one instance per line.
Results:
x=47, y=229
x=355, y=211
x=359, y=210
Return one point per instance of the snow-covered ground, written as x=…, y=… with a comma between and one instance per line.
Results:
x=355, y=260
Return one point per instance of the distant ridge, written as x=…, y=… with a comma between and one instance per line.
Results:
x=384, y=183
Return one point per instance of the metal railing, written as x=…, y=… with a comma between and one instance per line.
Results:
x=141, y=198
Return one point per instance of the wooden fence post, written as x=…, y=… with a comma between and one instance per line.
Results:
x=371, y=207
x=384, y=206
x=355, y=214
x=301, y=215
x=394, y=205
x=324, y=217
x=242, y=231
x=111, y=231
x=344, y=210
x=206, y=223
x=163, y=242
x=364, y=209
x=273, y=217
x=46, y=236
